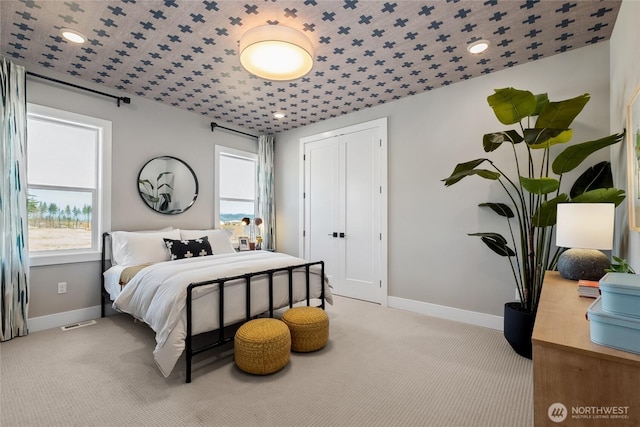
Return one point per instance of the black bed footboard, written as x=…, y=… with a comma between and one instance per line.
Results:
x=224, y=334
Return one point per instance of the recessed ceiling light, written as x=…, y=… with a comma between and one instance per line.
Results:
x=276, y=52
x=73, y=36
x=478, y=46
x=279, y=115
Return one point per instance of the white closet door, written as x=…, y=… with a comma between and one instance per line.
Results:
x=360, y=213
x=342, y=211
x=322, y=204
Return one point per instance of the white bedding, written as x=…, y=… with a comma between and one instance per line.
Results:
x=112, y=281
x=157, y=295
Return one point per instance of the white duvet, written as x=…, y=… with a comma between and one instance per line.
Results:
x=157, y=295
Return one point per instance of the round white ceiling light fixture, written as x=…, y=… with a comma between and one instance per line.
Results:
x=478, y=46
x=279, y=115
x=73, y=36
x=275, y=52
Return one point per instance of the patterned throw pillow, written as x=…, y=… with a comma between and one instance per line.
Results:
x=188, y=248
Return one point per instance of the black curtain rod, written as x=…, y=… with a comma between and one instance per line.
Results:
x=124, y=99
x=215, y=125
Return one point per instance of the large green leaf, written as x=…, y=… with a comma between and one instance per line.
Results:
x=598, y=176
x=601, y=195
x=499, y=208
x=572, y=156
x=496, y=243
x=491, y=141
x=541, y=100
x=546, y=214
x=560, y=115
x=467, y=169
x=512, y=105
x=545, y=138
x=544, y=185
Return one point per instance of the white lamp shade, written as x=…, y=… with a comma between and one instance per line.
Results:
x=275, y=52
x=585, y=225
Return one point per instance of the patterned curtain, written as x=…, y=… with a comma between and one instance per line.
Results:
x=266, y=202
x=14, y=279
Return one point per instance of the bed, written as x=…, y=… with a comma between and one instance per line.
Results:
x=193, y=289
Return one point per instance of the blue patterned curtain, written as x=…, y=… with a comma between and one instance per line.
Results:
x=266, y=202
x=14, y=279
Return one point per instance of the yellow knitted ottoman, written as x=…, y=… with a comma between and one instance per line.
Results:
x=309, y=328
x=262, y=346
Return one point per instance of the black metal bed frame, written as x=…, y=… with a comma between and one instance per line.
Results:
x=223, y=333
x=192, y=350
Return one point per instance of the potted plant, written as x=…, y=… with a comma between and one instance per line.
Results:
x=534, y=192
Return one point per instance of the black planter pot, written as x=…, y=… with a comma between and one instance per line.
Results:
x=518, y=327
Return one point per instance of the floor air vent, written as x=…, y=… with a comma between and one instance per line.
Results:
x=78, y=325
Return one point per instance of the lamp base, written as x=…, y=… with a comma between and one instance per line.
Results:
x=585, y=264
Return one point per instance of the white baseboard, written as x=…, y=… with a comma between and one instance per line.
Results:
x=65, y=318
x=465, y=316
x=449, y=313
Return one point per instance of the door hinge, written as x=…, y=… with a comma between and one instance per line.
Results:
x=304, y=157
x=381, y=189
x=380, y=143
x=380, y=283
x=380, y=236
x=304, y=195
x=304, y=233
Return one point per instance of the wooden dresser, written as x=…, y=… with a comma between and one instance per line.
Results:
x=598, y=386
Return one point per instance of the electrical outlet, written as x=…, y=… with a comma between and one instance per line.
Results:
x=62, y=287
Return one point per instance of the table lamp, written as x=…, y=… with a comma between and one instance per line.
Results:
x=584, y=228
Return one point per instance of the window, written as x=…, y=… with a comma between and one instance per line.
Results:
x=68, y=181
x=235, y=191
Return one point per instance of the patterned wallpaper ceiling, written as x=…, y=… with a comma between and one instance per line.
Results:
x=184, y=53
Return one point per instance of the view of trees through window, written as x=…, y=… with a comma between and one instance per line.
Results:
x=62, y=183
x=62, y=225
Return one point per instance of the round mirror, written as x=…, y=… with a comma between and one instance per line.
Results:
x=167, y=185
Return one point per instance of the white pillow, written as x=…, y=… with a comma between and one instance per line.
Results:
x=218, y=239
x=134, y=248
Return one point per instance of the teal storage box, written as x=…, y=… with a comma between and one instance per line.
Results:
x=621, y=294
x=612, y=330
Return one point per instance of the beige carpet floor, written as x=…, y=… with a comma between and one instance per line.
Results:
x=382, y=367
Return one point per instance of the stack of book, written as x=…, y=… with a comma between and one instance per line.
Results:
x=588, y=288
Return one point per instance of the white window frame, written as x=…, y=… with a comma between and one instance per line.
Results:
x=231, y=152
x=101, y=210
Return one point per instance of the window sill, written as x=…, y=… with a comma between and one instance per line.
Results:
x=63, y=258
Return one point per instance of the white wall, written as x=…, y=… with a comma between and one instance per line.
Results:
x=431, y=259
x=625, y=77
x=141, y=130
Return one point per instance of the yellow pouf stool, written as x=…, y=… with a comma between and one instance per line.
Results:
x=309, y=328
x=262, y=346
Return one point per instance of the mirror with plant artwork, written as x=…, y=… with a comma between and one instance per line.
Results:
x=167, y=185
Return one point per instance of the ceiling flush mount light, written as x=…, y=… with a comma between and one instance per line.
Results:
x=73, y=36
x=275, y=52
x=279, y=115
x=478, y=46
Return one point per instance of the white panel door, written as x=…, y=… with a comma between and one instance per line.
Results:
x=343, y=211
x=322, y=204
x=361, y=216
